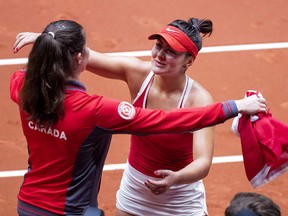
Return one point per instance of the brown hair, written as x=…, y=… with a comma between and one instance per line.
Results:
x=51, y=61
x=253, y=202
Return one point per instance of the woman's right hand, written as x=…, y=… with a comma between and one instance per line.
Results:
x=251, y=105
x=23, y=39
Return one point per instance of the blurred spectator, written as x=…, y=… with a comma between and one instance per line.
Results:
x=252, y=204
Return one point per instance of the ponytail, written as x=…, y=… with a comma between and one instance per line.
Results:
x=50, y=64
x=193, y=28
x=204, y=26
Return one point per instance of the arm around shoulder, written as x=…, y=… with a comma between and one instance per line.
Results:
x=114, y=67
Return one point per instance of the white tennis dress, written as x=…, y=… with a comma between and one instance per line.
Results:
x=135, y=198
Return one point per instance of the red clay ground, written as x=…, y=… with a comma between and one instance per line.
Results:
x=116, y=26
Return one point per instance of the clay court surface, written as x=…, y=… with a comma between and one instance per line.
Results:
x=123, y=26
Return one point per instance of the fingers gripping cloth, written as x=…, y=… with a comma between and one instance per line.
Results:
x=264, y=142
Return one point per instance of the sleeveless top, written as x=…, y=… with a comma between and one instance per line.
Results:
x=163, y=151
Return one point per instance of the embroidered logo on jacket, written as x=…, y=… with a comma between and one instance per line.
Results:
x=126, y=110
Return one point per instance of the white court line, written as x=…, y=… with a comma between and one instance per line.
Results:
x=112, y=167
x=227, y=48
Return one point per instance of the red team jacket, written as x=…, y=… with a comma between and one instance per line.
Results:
x=264, y=147
x=66, y=160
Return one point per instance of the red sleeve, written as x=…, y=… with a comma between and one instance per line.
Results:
x=16, y=83
x=122, y=117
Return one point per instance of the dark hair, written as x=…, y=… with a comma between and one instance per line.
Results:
x=193, y=27
x=253, y=202
x=51, y=62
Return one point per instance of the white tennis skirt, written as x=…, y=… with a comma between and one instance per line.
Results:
x=135, y=198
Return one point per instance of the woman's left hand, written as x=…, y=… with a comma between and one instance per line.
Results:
x=23, y=39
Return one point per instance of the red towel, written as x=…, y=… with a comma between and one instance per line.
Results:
x=264, y=142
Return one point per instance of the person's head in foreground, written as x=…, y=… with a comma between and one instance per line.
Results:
x=252, y=204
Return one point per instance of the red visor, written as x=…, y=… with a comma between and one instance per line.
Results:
x=177, y=39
